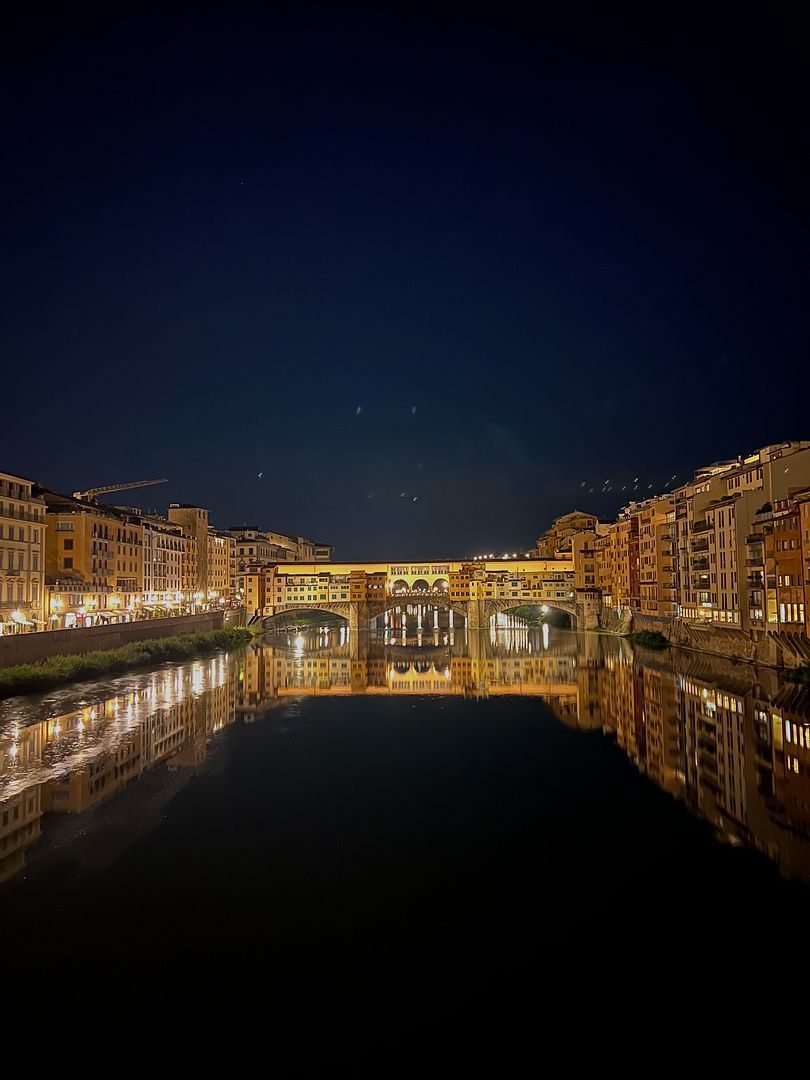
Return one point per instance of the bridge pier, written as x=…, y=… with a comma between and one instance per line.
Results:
x=476, y=619
x=588, y=609
x=358, y=615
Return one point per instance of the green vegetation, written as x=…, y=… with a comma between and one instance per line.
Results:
x=61, y=669
x=799, y=674
x=650, y=639
x=534, y=615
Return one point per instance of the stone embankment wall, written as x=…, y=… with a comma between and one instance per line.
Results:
x=28, y=648
x=755, y=646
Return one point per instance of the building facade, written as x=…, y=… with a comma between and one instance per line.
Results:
x=193, y=520
x=165, y=558
x=656, y=557
x=556, y=540
x=22, y=556
x=221, y=549
x=93, y=562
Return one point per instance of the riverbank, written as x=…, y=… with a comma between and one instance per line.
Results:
x=57, y=670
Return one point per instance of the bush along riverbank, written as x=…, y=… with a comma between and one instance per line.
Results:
x=23, y=678
x=650, y=639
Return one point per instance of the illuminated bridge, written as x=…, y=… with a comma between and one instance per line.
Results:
x=464, y=593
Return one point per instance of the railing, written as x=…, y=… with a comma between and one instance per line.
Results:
x=78, y=586
x=23, y=515
x=701, y=526
x=700, y=564
x=755, y=581
x=700, y=544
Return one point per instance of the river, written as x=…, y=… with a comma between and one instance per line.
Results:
x=449, y=809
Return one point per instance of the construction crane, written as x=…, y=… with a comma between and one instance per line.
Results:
x=91, y=493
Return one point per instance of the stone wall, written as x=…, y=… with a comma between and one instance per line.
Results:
x=755, y=646
x=28, y=648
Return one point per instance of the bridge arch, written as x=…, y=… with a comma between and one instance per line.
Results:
x=288, y=614
x=440, y=600
x=496, y=607
x=420, y=586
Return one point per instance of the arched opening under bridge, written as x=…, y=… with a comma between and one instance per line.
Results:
x=307, y=618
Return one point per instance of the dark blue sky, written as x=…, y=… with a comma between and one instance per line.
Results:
x=534, y=256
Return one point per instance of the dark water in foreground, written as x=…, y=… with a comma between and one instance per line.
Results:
x=370, y=824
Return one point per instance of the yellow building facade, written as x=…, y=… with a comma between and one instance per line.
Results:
x=93, y=562
x=221, y=549
x=22, y=556
x=194, y=522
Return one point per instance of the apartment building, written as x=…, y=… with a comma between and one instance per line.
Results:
x=656, y=557
x=221, y=550
x=718, y=515
x=22, y=556
x=93, y=562
x=165, y=554
x=777, y=578
x=557, y=538
x=193, y=520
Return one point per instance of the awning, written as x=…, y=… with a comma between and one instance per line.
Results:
x=39, y=622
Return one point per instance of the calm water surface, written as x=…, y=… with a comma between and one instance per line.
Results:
x=366, y=816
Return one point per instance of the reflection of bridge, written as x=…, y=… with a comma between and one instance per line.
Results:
x=468, y=594
x=445, y=663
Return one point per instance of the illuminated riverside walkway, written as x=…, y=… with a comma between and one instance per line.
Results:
x=467, y=594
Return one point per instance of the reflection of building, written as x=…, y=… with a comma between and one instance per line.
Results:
x=98, y=750
x=737, y=752
x=22, y=556
x=19, y=829
x=726, y=739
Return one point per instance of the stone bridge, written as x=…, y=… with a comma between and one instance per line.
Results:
x=472, y=592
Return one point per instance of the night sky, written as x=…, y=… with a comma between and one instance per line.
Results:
x=408, y=284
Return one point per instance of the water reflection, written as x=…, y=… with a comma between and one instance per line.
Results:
x=730, y=741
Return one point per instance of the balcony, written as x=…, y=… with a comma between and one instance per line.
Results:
x=760, y=561
x=755, y=581
x=701, y=543
x=701, y=527
x=700, y=564
x=23, y=515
